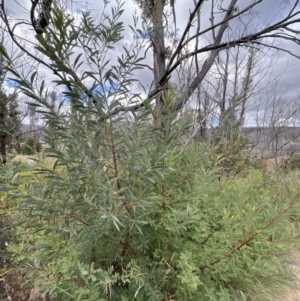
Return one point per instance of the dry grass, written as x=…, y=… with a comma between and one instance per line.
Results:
x=29, y=159
x=293, y=294
x=22, y=159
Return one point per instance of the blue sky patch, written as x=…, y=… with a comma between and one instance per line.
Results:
x=11, y=83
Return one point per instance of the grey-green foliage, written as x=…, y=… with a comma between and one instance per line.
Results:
x=26, y=149
x=118, y=209
x=10, y=122
x=163, y=228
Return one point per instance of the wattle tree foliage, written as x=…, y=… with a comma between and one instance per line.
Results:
x=118, y=207
x=10, y=122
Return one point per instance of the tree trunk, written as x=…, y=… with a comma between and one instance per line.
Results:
x=18, y=145
x=203, y=113
x=209, y=62
x=3, y=136
x=224, y=95
x=159, y=55
x=246, y=86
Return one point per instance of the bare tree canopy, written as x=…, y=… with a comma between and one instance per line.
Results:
x=212, y=27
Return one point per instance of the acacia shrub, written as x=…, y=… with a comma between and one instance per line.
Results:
x=13, y=284
x=235, y=160
x=172, y=230
x=124, y=210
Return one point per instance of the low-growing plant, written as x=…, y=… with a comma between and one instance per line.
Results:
x=294, y=162
x=234, y=158
x=11, y=282
x=30, y=141
x=27, y=150
x=35, y=145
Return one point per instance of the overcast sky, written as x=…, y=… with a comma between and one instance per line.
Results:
x=269, y=11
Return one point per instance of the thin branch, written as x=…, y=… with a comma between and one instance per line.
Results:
x=76, y=79
x=292, y=30
x=187, y=28
x=277, y=48
x=243, y=40
x=209, y=62
x=31, y=131
x=294, y=7
x=214, y=26
x=12, y=35
x=32, y=18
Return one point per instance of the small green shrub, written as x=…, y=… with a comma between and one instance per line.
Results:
x=234, y=159
x=35, y=145
x=294, y=162
x=27, y=150
x=30, y=141
x=10, y=280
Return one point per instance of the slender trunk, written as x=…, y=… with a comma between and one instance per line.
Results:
x=210, y=61
x=225, y=82
x=203, y=118
x=276, y=151
x=203, y=129
x=246, y=86
x=18, y=145
x=3, y=147
x=3, y=136
x=159, y=56
x=236, y=75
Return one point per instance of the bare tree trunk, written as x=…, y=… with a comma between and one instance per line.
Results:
x=225, y=82
x=246, y=85
x=203, y=117
x=236, y=74
x=18, y=145
x=3, y=136
x=159, y=54
x=213, y=54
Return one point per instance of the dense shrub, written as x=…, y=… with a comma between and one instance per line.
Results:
x=30, y=141
x=27, y=150
x=33, y=144
x=119, y=209
x=294, y=162
x=170, y=230
x=234, y=158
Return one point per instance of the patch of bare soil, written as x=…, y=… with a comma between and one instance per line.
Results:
x=293, y=294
